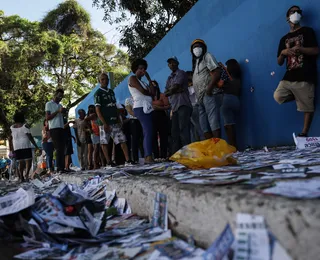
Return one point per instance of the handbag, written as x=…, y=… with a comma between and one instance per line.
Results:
x=147, y=107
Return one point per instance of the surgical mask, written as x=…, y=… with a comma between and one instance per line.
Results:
x=197, y=51
x=295, y=18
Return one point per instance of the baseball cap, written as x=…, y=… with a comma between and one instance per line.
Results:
x=173, y=58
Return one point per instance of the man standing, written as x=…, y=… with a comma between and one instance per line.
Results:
x=300, y=49
x=81, y=126
x=206, y=74
x=54, y=117
x=108, y=119
x=177, y=91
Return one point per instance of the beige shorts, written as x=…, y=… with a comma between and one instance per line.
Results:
x=301, y=92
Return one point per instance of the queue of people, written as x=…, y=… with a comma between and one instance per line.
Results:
x=154, y=125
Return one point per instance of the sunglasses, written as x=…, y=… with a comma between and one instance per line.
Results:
x=295, y=11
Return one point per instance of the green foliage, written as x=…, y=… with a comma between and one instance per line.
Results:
x=36, y=59
x=151, y=21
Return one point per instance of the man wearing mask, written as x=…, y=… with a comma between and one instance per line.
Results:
x=54, y=111
x=300, y=49
x=177, y=91
x=206, y=74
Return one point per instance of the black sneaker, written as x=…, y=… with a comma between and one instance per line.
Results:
x=112, y=164
x=302, y=135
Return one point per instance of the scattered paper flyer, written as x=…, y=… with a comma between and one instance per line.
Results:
x=17, y=201
x=160, y=211
x=306, y=142
x=299, y=189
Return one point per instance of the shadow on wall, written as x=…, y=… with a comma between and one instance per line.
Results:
x=244, y=30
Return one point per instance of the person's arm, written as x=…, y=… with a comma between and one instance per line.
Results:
x=91, y=117
x=161, y=107
x=50, y=116
x=10, y=143
x=100, y=116
x=152, y=84
x=215, y=72
x=134, y=83
x=32, y=140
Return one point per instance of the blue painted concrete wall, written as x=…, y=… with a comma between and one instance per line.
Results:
x=241, y=29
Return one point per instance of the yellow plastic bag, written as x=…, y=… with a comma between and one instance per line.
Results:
x=206, y=154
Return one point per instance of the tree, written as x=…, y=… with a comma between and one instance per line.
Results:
x=36, y=59
x=152, y=19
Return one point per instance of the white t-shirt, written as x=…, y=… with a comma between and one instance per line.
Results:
x=20, y=139
x=57, y=121
x=138, y=97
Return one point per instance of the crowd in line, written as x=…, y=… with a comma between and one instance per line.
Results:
x=155, y=125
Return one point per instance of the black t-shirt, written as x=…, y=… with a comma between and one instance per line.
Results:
x=300, y=67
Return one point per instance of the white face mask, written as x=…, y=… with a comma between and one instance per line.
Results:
x=295, y=18
x=197, y=51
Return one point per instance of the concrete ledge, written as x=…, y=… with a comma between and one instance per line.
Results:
x=203, y=211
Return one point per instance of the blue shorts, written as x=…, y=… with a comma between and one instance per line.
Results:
x=95, y=139
x=209, y=112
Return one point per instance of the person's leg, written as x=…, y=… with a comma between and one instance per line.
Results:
x=49, y=155
x=283, y=93
x=175, y=132
x=230, y=107
x=184, y=114
x=163, y=133
x=21, y=169
x=203, y=121
x=104, y=140
x=135, y=138
x=90, y=156
x=195, y=118
x=155, y=120
x=127, y=132
x=212, y=106
x=28, y=168
x=147, y=126
x=57, y=136
x=104, y=148
x=85, y=155
x=304, y=96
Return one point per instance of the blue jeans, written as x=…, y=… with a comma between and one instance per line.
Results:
x=196, y=132
x=48, y=148
x=230, y=107
x=147, y=127
x=209, y=112
x=180, y=129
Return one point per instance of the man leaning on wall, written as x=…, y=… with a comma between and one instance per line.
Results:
x=300, y=49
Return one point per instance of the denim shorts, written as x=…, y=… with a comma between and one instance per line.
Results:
x=95, y=139
x=230, y=108
x=209, y=112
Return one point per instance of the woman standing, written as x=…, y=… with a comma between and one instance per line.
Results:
x=142, y=94
x=161, y=124
x=231, y=102
x=47, y=146
x=22, y=139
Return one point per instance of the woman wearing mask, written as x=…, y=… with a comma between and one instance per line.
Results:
x=47, y=146
x=231, y=103
x=160, y=105
x=206, y=75
x=142, y=94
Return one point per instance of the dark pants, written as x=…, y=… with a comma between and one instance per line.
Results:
x=180, y=130
x=48, y=148
x=161, y=125
x=57, y=136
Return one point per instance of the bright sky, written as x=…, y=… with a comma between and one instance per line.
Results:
x=37, y=9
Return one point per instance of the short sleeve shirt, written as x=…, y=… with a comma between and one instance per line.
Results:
x=20, y=139
x=179, y=99
x=57, y=121
x=201, y=76
x=81, y=126
x=105, y=98
x=300, y=67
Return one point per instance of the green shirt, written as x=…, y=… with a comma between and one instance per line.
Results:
x=105, y=98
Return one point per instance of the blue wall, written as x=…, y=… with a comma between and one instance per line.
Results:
x=241, y=29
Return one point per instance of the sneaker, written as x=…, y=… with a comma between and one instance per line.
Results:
x=112, y=164
x=302, y=135
x=128, y=164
